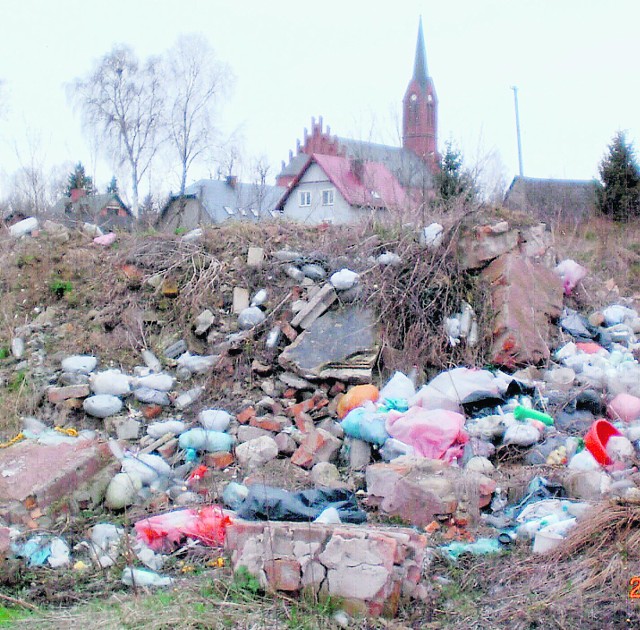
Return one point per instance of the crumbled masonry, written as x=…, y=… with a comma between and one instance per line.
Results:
x=269, y=428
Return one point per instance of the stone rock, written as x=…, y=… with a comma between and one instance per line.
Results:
x=286, y=444
x=204, y=321
x=17, y=347
x=486, y=243
x=291, y=380
x=479, y=464
x=124, y=428
x=255, y=257
x=340, y=344
x=525, y=297
x=257, y=452
x=248, y=433
x=112, y=382
x=102, y=405
x=250, y=317
x=240, y=300
x=359, y=453
x=589, y=485
x=417, y=489
x=79, y=363
x=326, y=475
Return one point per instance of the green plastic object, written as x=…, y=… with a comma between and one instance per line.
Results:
x=523, y=413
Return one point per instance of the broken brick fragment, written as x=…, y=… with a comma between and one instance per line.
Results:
x=151, y=411
x=245, y=415
x=219, y=460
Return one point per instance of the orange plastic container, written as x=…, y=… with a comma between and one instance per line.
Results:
x=596, y=440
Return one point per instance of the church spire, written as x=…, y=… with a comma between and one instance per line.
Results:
x=420, y=73
x=420, y=109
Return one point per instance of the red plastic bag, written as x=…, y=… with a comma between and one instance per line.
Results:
x=164, y=532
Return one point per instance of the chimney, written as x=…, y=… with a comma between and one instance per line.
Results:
x=357, y=168
x=232, y=180
x=77, y=193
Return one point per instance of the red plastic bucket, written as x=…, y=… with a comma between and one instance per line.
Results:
x=596, y=440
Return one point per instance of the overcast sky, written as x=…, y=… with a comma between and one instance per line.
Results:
x=575, y=63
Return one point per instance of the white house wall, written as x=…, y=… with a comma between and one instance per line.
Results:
x=315, y=181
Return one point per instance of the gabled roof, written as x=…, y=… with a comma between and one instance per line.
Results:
x=361, y=183
x=548, y=197
x=406, y=166
x=240, y=200
x=90, y=204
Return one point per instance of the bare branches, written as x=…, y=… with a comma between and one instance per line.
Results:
x=121, y=101
x=196, y=83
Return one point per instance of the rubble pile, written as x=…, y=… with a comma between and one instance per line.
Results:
x=156, y=439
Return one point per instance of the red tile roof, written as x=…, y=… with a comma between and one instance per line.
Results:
x=361, y=183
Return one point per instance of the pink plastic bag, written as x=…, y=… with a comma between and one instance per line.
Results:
x=105, y=239
x=165, y=531
x=435, y=433
x=624, y=407
x=570, y=273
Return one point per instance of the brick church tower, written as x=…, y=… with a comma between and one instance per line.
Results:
x=420, y=110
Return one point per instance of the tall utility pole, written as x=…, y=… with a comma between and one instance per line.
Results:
x=515, y=101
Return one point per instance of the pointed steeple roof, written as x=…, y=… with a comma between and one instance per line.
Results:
x=420, y=73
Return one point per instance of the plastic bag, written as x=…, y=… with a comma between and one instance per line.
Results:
x=356, y=397
x=267, y=503
x=165, y=531
x=398, y=386
x=364, y=425
x=570, y=273
x=435, y=434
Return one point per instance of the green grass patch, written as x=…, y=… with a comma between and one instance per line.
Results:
x=60, y=287
x=9, y=615
x=17, y=381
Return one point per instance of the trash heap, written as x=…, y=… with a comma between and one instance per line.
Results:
x=434, y=455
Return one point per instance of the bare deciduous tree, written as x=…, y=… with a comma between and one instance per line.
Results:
x=196, y=85
x=29, y=183
x=121, y=100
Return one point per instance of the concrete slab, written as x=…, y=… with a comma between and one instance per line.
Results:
x=34, y=476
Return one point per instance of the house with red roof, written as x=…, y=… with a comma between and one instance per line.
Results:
x=340, y=180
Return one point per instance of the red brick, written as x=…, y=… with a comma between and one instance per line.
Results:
x=304, y=422
x=151, y=411
x=59, y=394
x=338, y=388
x=270, y=423
x=288, y=331
x=245, y=415
x=219, y=460
x=289, y=393
x=302, y=457
x=283, y=574
x=168, y=449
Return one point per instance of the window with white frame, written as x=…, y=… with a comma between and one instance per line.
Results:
x=327, y=197
x=305, y=198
